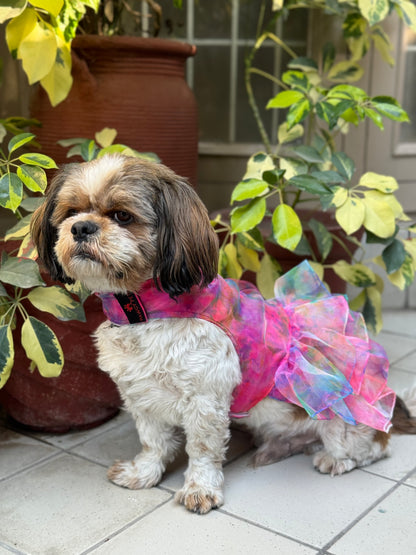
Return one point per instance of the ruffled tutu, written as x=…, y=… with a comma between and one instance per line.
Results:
x=331, y=366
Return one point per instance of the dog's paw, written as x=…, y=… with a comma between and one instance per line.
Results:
x=328, y=464
x=198, y=499
x=129, y=475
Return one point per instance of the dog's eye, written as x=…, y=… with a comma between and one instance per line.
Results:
x=122, y=217
x=71, y=212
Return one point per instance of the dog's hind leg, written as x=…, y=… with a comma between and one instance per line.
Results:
x=347, y=446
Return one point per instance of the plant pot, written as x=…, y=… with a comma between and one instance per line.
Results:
x=288, y=259
x=81, y=397
x=134, y=85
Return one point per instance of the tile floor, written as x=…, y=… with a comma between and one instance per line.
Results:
x=55, y=498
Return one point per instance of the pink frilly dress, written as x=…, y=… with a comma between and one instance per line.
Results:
x=304, y=346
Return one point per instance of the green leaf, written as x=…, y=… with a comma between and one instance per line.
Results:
x=375, y=117
x=287, y=228
x=250, y=188
x=19, y=140
x=383, y=44
x=298, y=112
x=343, y=164
x=248, y=216
x=6, y=353
x=11, y=191
x=273, y=177
x=374, y=10
x=308, y=153
x=42, y=346
x=350, y=215
x=309, y=184
x=266, y=277
x=296, y=80
x=33, y=177
x=372, y=310
x=303, y=63
x=293, y=167
x=257, y=164
x=329, y=177
x=252, y=239
x=21, y=272
x=323, y=237
x=35, y=159
x=57, y=301
x=389, y=107
x=394, y=256
x=30, y=204
x=285, y=99
x=407, y=11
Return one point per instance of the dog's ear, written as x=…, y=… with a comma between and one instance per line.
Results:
x=44, y=234
x=187, y=246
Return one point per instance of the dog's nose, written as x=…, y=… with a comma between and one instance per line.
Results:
x=82, y=230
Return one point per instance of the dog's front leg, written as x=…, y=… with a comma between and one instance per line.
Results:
x=207, y=432
x=160, y=443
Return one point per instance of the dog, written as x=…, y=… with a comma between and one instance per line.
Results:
x=122, y=226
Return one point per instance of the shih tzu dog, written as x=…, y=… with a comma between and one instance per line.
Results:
x=190, y=351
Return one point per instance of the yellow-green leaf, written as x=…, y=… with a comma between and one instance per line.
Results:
x=42, y=346
x=56, y=301
x=58, y=81
x=106, y=136
x=356, y=274
x=248, y=216
x=285, y=135
x=12, y=10
x=51, y=6
x=372, y=309
x=248, y=258
x=374, y=10
x=6, y=353
x=379, y=216
x=38, y=52
x=257, y=164
x=249, y=188
x=287, y=228
x=350, y=215
x=340, y=196
x=383, y=183
x=318, y=269
x=345, y=72
x=19, y=27
x=266, y=277
x=233, y=267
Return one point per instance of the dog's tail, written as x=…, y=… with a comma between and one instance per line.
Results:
x=404, y=415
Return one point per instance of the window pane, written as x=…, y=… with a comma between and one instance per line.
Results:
x=212, y=90
x=212, y=19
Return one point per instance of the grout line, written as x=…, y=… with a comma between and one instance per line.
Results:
x=31, y=466
x=262, y=527
x=125, y=527
x=11, y=549
x=396, y=486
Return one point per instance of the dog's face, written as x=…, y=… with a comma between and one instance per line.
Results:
x=117, y=221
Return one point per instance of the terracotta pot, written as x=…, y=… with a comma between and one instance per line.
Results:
x=134, y=85
x=81, y=397
x=288, y=259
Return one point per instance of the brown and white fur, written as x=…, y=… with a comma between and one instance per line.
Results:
x=114, y=223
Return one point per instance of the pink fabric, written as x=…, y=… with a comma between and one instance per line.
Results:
x=304, y=346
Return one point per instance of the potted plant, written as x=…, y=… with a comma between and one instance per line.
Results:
x=44, y=330
x=307, y=168
x=94, y=72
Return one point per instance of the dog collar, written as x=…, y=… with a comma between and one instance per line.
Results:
x=123, y=308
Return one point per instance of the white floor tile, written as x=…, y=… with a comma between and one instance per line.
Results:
x=400, y=321
x=18, y=452
x=401, y=380
x=388, y=528
x=412, y=480
x=401, y=461
x=66, y=505
x=292, y=498
x=172, y=530
x=408, y=363
x=397, y=347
